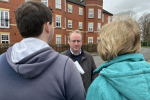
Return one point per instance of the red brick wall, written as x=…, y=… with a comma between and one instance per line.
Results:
x=74, y=16
x=12, y=6
x=93, y=4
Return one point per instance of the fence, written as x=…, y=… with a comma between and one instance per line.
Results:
x=56, y=47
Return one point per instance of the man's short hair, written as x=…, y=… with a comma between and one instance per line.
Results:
x=76, y=31
x=122, y=36
x=30, y=18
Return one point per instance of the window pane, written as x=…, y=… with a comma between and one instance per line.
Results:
x=90, y=13
x=99, y=27
x=58, y=21
x=98, y=40
x=91, y=27
x=69, y=8
x=90, y=40
x=4, y=19
x=45, y=2
x=58, y=4
x=69, y=24
x=58, y=39
x=5, y=38
x=99, y=14
x=80, y=25
x=3, y=41
x=80, y=11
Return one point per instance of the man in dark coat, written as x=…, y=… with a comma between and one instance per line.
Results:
x=84, y=58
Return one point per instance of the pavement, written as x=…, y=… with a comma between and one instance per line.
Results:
x=99, y=61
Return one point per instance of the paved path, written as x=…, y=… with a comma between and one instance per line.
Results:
x=99, y=61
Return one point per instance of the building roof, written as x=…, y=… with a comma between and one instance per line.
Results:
x=104, y=11
x=79, y=2
x=82, y=3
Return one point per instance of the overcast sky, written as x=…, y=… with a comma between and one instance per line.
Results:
x=138, y=6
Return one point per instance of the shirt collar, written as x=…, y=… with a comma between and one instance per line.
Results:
x=75, y=54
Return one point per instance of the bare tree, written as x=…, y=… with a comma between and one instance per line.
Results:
x=144, y=22
x=128, y=13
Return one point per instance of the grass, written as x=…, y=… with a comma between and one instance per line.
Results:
x=146, y=46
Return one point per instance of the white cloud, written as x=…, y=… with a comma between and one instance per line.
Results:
x=139, y=6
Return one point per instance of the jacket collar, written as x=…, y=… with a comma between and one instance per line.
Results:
x=71, y=55
x=73, y=52
x=130, y=57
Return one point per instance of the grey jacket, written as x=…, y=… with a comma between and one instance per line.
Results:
x=88, y=65
x=43, y=75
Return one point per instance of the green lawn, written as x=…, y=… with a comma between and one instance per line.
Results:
x=146, y=46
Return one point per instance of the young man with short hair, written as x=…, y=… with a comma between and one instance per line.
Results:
x=31, y=69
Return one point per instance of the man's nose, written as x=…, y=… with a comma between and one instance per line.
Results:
x=76, y=43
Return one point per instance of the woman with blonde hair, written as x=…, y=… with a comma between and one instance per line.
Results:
x=125, y=75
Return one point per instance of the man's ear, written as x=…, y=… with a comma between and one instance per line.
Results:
x=69, y=42
x=47, y=27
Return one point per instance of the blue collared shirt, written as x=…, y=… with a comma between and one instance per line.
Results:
x=73, y=53
x=76, y=57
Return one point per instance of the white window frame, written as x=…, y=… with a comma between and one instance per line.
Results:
x=58, y=39
x=99, y=14
x=90, y=39
x=90, y=27
x=98, y=27
x=4, y=19
x=80, y=25
x=45, y=2
x=4, y=40
x=58, y=4
x=69, y=23
x=58, y=20
x=80, y=11
x=69, y=8
x=91, y=13
x=103, y=18
x=98, y=39
x=4, y=0
x=108, y=19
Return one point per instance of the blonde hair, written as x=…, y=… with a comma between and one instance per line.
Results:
x=76, y=31
x=122, y=36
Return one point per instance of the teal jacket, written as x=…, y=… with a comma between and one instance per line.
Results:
x=125, y=78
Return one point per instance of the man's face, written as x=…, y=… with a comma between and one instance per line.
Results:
x=75, y=42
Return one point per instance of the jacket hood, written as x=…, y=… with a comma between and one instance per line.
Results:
x=129, y=75
x=35, y=63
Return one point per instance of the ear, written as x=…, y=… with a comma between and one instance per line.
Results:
x=69, y=42
x=47, y=27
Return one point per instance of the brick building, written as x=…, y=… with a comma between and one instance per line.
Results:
x=86, y=15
